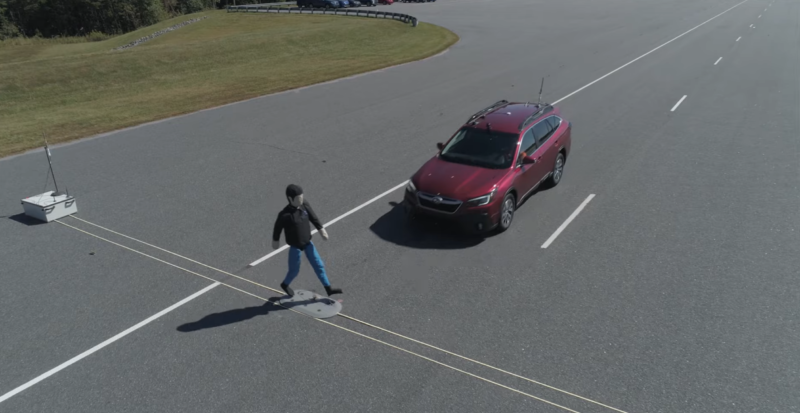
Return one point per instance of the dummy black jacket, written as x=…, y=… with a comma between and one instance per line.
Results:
x=297, y=224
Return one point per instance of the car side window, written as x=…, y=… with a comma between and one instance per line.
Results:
x=528, y=143
x=555, y=122
x=526, y=146
x=542, y=131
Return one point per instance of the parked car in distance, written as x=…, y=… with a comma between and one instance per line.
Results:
x=385, y=1
x=319, y=4
x=355, y=3
x=369, y=3
x=490, y=165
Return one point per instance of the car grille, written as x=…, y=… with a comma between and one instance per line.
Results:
x=447, y=205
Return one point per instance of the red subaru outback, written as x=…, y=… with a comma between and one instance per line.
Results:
x=501, y=155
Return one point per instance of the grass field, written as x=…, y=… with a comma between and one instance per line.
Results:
x=70, y=89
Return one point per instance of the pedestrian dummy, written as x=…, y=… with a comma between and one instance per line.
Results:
x=295, y=221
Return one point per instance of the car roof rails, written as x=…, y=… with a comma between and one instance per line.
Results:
x=544, y=108
x=485, y=111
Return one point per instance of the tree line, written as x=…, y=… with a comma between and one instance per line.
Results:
x=51, y=18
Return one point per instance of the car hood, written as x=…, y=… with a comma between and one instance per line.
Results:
x=456, y=180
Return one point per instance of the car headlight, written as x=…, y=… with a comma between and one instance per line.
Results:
x=410, y=187
x=482, y=200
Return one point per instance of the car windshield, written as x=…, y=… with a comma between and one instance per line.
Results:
x=481, y=147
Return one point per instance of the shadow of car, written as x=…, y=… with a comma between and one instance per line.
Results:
x=422, y=232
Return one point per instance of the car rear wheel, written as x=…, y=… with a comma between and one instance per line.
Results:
x=507, y=212
x=558, y=171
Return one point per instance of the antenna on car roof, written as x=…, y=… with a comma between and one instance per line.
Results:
x=540, y=93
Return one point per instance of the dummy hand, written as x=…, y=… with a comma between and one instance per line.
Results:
x=275, y=244
x=324, y=234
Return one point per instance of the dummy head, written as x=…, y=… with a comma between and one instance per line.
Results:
x=295, y=195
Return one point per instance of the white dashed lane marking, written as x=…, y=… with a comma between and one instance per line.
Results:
x=678, y=104
x=564, y=225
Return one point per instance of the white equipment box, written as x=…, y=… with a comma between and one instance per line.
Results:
x=48, y=207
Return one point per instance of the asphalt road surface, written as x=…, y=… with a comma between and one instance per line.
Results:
x=674, y=289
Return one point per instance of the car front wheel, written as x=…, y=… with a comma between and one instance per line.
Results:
x=507, y=212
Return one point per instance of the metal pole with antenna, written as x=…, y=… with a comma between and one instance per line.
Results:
x=49, y=206
x=50, y=162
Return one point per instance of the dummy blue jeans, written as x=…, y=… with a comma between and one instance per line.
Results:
x=313, y=258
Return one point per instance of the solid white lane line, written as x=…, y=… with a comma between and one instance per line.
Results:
x=678, y=104
x=739, y=38
x=564, y=225
x=273, y=253
x=634, y=60
x=367, y=203
x=715, y=63
x=105, y=343
x=268, y=256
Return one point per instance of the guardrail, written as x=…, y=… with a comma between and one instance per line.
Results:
x=341, y=12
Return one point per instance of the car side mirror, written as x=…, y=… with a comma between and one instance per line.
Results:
x=440, y=146
x=528, y=160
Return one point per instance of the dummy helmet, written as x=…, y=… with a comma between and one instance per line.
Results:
x=293, y=191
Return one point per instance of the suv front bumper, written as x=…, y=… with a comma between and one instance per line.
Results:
x=474, y=219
